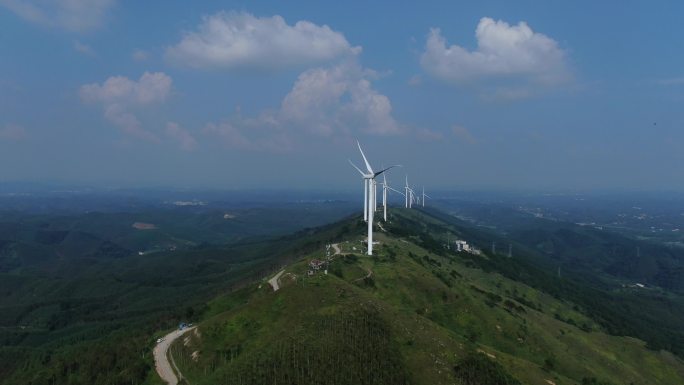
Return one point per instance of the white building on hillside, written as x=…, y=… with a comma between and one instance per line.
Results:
x=462, y=245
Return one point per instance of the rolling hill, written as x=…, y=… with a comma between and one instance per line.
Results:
x=417, y=312
x=593, y=250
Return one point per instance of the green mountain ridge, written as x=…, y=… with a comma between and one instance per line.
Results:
x=591, y=248
x=414, y=313
x=418, y=313
x=46, y=242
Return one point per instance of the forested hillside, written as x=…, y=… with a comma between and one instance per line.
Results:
x=80, y=304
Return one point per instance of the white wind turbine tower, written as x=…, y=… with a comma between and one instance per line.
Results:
x=366, y=183
x=424, y=196
x=385, y=187
x=384, y=197
x=369, y=192
x=375, y=195
x=410, y=195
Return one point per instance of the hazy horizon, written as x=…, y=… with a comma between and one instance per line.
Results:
x=353, y=190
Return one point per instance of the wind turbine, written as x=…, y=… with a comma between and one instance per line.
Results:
x=385, y=187
x=410, y=195
x=367, y=183
x=397, y=191
x=375, y=195
x=407, y=195
x=369, y=192
x=425, y=196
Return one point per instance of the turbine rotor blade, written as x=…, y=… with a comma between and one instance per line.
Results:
x=381, y=171
x=397, y=191
x=370, y=170
x=358, y=169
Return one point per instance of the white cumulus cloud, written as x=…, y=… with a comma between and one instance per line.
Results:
x=334, y=101
x=335, y=98
x=119, y=95
x=338, y=98
x=73, y=15
x=151, y=87
x=503, y=51
x=185, y=140
x=240, y=40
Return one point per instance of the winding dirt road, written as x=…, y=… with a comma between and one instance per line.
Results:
x=161, y=358
x=274, y=281
x=165, y=368
x=370, y=273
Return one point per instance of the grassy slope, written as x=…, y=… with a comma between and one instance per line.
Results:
x=435, y=310
x=654, y=315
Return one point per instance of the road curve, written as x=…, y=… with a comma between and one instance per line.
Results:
x=274, y=281
x=161, y=359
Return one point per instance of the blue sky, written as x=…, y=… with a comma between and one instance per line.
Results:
x=531, y=95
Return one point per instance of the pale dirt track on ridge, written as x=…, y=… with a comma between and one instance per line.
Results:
x=370, y=273
x=161, y=360
x=274, y=281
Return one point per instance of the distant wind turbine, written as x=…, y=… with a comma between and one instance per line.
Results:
x=396, y=191
x=410, y=195
x=385, y=188
x=424, y=196
x=375, y=195
x=369, y=194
